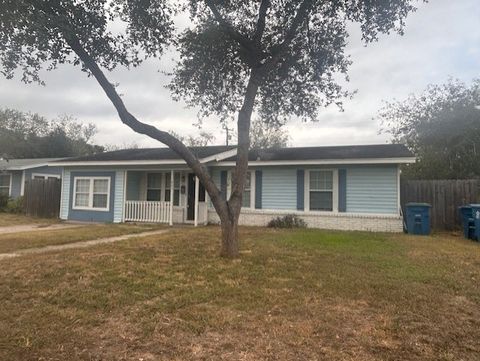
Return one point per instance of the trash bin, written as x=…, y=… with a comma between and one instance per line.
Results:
x=418, y=218
x=468, y=222
x=476, y=219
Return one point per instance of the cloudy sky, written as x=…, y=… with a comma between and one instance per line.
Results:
x=442, y=40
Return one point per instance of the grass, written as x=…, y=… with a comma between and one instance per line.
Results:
x=295, y=294
x=11, y=242
x=7, y=219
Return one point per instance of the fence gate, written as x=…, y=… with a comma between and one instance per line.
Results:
x=42, y=197
x=445, y=196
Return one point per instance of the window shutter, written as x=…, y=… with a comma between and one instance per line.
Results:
x=258, y=189
x=300, y=189
x=223, y=183
x=342, y=190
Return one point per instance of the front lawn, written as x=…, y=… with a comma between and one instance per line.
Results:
x=8, y=219
x=11, y=242
x=293, y=295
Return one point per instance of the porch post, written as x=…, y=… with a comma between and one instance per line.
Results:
x=171, y=198
x=197, y=190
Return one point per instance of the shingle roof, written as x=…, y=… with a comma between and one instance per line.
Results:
x=12, y=164
x=331, y=152
x=281, y=154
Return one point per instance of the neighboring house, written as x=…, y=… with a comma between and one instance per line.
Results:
x=14, y=173
x=341, y=187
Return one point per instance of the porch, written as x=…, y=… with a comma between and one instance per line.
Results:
x=164, y=196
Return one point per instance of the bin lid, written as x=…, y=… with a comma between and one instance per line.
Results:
x=476, y=205
x=413, y=204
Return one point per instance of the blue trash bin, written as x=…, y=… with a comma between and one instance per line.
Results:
x=468, y=222
x=418, y=218
x=476, y=220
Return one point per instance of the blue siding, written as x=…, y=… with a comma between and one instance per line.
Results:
x=279, y=188
x=91, y=215
x=43, y=170
x=15, y=191
x=372, y=190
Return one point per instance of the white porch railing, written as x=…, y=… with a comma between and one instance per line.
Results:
x=147, y=211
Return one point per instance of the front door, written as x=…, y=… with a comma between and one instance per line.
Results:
x=191, y=197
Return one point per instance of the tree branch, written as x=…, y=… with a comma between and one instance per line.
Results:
x=262, y=14
x=243, y=40
x=128, y=119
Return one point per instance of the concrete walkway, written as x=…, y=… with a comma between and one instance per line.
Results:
x=38, y=227
x=83, y=244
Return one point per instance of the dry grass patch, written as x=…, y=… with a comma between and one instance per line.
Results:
x=11, y=242
x=8, y=219
x=293, y=295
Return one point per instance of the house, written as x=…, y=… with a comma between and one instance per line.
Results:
x=14, y=173
x=339, y=187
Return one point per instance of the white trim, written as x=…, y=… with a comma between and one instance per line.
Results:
x=125, y=175
x=403, y=160
x=23, y=167
x=399, y=207
x=90, y=194
x=61, y=194
x=220, y=156
x=171, y=198
x=400, y=160
x=45, y=175
x=197, y=190
x=22, y=185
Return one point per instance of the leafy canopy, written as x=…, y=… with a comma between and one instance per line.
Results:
x=442, y=127
x=295, y=47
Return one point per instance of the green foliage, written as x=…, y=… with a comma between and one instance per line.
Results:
x=288, y=221
x=15, y=206
x=298, y=56
x=27, y=135
x=442, y=127
x=4, y=198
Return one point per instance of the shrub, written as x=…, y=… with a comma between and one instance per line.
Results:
x=4, y=198
x=288, y=221
x=15, y=205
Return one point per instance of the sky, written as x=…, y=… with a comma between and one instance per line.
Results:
x=441, y=40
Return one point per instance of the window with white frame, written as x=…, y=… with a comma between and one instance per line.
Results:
x=5, y=184
x=45, y=176
x=321, y=190
x=176, y=188
x=247, y=191
x=92, y=193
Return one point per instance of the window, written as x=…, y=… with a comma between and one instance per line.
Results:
x=321, y=190
x=92, y=193
x=247, y=191
x=5, y=184
x=154, y=187
x=176, y=188
x=45, y=176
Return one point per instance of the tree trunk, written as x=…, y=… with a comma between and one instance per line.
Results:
x=230, y=242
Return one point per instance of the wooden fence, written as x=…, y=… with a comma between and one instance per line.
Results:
x=42, y=197
x=445, y=196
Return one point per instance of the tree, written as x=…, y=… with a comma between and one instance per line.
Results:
x=267, y=136
x=201, y=140
x=27, y=135
x=275, y=58
x=442, y=128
